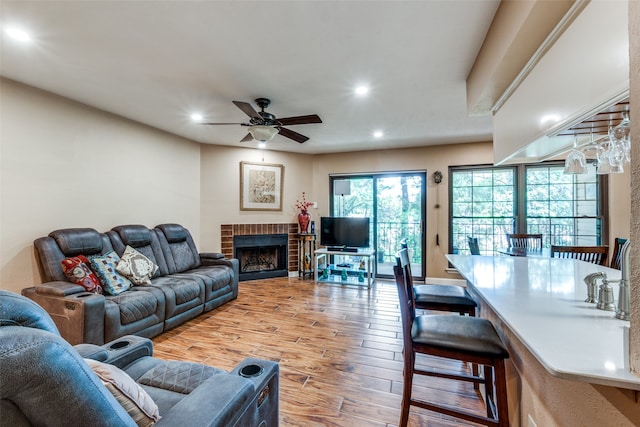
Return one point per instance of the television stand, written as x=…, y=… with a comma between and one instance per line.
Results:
x=324, y=272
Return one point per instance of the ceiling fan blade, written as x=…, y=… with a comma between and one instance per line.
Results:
x=293, y=135
x=248, y=137
x=247, y=109
x=241, y=124
x=300, y=120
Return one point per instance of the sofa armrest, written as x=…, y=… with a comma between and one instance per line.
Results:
x=127, y=349
x=59, y=288
x=230, y=262
x=218, y=401
x=92, y=351
x=211, y=255
x=79, y=316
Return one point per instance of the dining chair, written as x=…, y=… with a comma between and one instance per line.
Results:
x=616, y=257
x=473, y=245
x=593, y=254
x=451, y=298
x=530, y=241
x=472, y=340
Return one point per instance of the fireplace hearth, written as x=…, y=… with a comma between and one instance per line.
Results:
x=261, y=256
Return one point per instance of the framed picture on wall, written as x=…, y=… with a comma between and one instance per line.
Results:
x=261, y=186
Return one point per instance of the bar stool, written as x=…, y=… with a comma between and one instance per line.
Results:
x=466, y=339
x=440, y=297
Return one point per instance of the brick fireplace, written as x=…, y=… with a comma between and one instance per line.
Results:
x=229, y=231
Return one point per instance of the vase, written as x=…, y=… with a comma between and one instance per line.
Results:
x=303, y=221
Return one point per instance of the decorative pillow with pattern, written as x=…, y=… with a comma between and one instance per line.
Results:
x=133, y=398
x=136, y=267
x=105, y=268
x=77, y=270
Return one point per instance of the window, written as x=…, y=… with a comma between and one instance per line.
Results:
x=563, y=208
x=483, y=205
x=489, y=202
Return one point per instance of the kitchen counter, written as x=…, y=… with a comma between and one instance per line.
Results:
x=541, y=301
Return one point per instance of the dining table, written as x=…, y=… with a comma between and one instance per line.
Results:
x=522, y=251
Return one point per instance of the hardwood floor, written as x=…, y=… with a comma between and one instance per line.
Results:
x=339, y=349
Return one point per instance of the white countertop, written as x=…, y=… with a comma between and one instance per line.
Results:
x=542, y=301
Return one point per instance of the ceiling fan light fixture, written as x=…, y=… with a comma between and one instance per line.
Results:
x=18, y=34
x=263, y=133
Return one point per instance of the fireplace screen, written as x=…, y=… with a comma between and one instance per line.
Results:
x=261, y=256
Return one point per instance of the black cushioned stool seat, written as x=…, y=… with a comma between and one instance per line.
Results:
x=469, y=335
x=444, y=298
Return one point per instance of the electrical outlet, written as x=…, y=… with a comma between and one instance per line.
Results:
x=531, y=422
x=315, y=205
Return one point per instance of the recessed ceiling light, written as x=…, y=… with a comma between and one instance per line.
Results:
x=196, y=117
x=549, y=119
x=262, y=144
x=378, y=134
x=17, y=34
x=362, y=90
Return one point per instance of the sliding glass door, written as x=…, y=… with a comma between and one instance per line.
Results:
x=395, y=202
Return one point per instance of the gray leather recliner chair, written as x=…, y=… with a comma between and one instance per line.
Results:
x=44, y=381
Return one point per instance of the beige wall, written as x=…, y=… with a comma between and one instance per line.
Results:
x=220, y=194
x=430, y=159
x=63, y=164
x=619, y=206
x=221, y=175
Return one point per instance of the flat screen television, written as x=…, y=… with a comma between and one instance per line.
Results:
x=344, y=233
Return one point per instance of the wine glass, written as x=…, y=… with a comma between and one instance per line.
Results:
x=576, y=161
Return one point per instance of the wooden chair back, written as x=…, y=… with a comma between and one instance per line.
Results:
x=473, y=245
x=404, y=282
x=530, y=241
x=594, y=254
x=616, y=257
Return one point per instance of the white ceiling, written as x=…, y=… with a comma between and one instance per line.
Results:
x=156, y=62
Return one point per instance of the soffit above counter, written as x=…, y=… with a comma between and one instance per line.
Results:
x=517, y=31
x=581, y=74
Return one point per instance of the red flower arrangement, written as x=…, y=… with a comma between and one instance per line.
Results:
x=303, y=205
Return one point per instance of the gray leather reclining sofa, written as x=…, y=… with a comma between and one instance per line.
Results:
x=186, y=284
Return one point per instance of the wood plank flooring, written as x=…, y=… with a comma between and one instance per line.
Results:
x=339, y=349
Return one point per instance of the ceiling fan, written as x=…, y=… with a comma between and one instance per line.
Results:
x=263, y=126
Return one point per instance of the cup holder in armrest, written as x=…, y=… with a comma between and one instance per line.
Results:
x=119, y=345
x=251, y=371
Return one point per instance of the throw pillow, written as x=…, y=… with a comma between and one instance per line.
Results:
x=105, y=268
x=136, y=267
x=78, y=272
x=133, y=398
